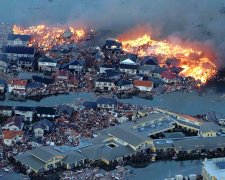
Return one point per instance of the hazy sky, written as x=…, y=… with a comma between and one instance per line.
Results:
x=200, y=20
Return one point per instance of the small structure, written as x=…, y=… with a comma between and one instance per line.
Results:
x=45, y=112
x=62, y=75
x=11, y=136
x=103, y=84
x=128, y=68
x=113, y=46
x=124, y=85
x=42, y=127
x=27, y=112
x=6, y=110
x=209, y=129
x=17, y=84
x=76, y=66
x=3, y=66
x=143, y=85
x=105, y=67
x=47, y=64
x=107, y=103
x=65, y=110
x=14, y=123
x=169, y=77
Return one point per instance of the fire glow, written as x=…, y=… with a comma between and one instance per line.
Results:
x=46, y=37
x=193, y=62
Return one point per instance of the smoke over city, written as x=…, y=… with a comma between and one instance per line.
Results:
x=183, y=21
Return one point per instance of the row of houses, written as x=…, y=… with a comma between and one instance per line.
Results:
x=104, y=84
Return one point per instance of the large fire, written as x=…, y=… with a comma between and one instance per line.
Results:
x=193, y=62
x=46, y=37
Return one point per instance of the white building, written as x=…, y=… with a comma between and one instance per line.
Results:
x=10, y=137
x=213, y=169
x=17, y=84
x=143, y=85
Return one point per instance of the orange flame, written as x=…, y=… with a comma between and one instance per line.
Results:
x=46, y=37
x=193, y=62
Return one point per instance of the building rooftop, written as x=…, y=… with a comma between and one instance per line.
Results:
x=12, y=37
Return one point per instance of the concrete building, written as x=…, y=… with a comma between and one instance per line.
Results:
x=213, y=169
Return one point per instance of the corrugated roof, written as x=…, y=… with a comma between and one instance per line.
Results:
x=143, y=83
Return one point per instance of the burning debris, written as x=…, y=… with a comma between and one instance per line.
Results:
x=46, y=37
x=193, y=62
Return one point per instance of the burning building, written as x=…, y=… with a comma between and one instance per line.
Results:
x=194, y=62
x=46, y=37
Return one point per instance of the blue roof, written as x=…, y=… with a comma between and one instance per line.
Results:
x=45, y=80
x=45, y=59
x=24, y=108
x=109, y=101
x=2, y=82
x=18, y=50
x=149, y=60
x=19, y=36
x=220, y=165
x=90, y=104
x=128, y=66
x=123, y=82
x=104, y=80
x=77, y=62
x=112, y=73
x=34, y=85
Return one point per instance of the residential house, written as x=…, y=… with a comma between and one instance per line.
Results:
x=146, y=70
x=156, y=73
x=42, y=126
x=2, y=86
x=14, y=123
x=65, y=110
x=113, y=46
x=25, y=62
x=76, y=66
x=15, y=52
x=45, y=112
x=209, y=129
x=129, y=58
x=143, y=85
x=149, y=61
x=169, y=77
x=107, y=103
x=43, y=79
x=6, y=110
x=105, y=67
x=27, y=112
x=112, y=74
x=103, y=84
x=128, y=68
x=62, y=75
x=18, y=40
x=124, y=85
x=47, y=64
x=12, y=136
x=17, y=84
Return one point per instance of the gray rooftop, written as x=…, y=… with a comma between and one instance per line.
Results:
x=45, y=153
x=209, y=126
